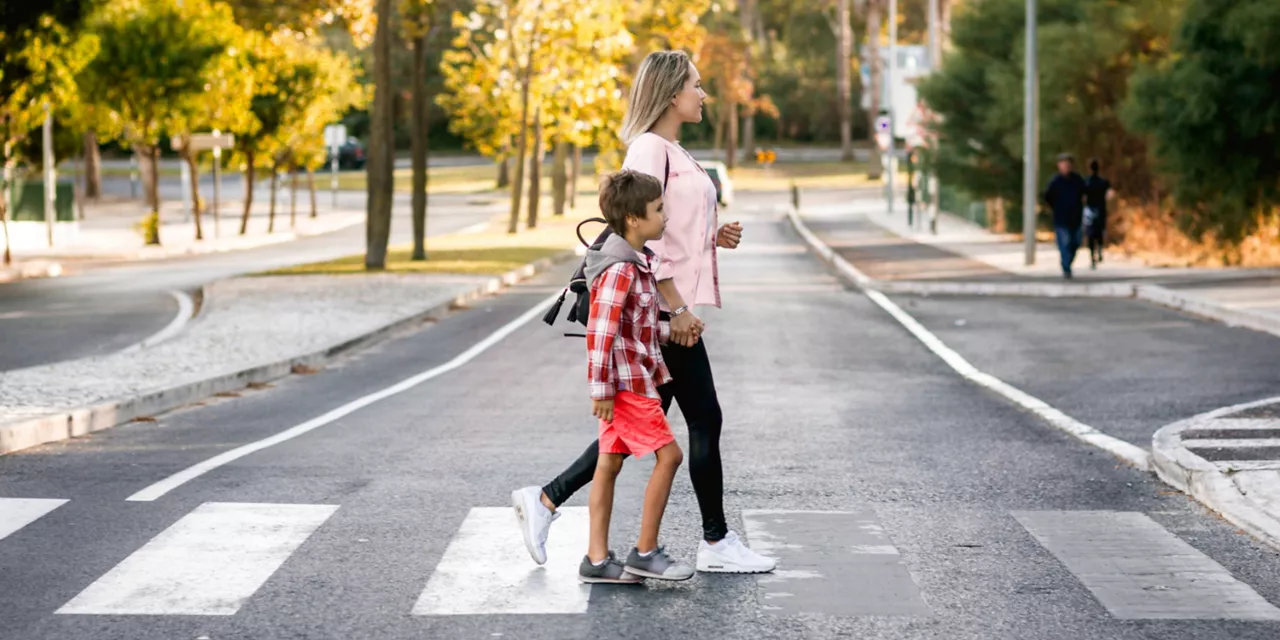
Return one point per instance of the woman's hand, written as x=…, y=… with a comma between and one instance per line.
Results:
x=729, y=236
x=602, y=409
x=686, y=329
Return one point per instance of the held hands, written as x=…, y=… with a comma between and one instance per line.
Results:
x=729, y=236
x=602, y=409
x=686, y=329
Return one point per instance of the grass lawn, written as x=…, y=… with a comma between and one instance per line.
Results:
x=805, y=175
x=491, y=252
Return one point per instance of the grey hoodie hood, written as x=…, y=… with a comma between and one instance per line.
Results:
x=615, y=249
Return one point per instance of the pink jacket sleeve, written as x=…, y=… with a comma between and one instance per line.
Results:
x=648, y=154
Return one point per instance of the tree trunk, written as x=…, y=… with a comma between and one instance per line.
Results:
x=718, y=128
x=844, y=87
x=535, y=170
x=293, y=196
x=504, y=171
x=271, y=213
x=146, y=171
x=248, y=189
x=92, y=166
x=749, y=138
x=517, y=181
x=153, y=186
x=193, y=170
x=573, y=177
x=311, y=186
x=873, y=52
x=560, y=176
x=418, y=131
x=731, y=157
x=4, y=204
x=381, y=162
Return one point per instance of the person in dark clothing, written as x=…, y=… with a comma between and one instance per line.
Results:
x=1095, y=212
x=1065, y=196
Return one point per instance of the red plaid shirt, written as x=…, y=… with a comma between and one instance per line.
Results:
x=624, y=336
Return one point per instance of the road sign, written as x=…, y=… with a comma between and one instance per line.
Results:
x=203, y=141
x=335, y=135
x=883, y=139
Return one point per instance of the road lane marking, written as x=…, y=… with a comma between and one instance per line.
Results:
x=176, y=480
x=486, y=569
x=1138, y=570
x=186, y=307
x=16, y=513
x=837, y=563
x=207, y=564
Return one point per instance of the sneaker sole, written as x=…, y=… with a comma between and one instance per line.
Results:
x=586, y=580
x=517, y=501
x=656, y=576
x=739, y=571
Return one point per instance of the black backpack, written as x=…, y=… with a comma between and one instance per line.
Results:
x=578, y=283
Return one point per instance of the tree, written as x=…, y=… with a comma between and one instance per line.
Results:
x=42, y=58
x=978, y=93
x=380, y=167
x=155, y=54
x=877, y=82
x=844, y=88
x=1213, y=116
x=419, y=27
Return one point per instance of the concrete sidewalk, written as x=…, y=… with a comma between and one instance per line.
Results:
x=963, y=258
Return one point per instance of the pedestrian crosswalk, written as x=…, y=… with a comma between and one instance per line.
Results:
x=213, y=560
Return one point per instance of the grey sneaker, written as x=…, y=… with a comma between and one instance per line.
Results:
x=611, y=572
x=657, y=565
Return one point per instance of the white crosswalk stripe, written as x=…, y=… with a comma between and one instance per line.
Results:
x=486, y=569
x=208, y=563
x=16, y=513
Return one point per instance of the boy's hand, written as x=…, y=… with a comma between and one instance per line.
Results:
x=602, y=409
x=730, y=236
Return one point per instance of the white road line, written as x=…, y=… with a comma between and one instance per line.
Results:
x=1130, y=453
x=16, y=513
x=186, y=306
x=190, y=473
x=486, y=569
x=207, y=564
x=1134, y=455
x=1138, y=570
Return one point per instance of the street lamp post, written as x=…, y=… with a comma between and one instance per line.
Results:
x=50, y=188
x=217, y=186
x=1031, y=139
x=935, y=64
x=893, y=78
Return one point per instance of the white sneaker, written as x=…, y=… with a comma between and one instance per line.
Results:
x=731, y=556
x=535, y=520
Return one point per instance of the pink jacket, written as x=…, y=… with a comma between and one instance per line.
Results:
x=687, y=252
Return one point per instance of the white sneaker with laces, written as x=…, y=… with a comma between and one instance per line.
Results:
x=731, y=556
x=535, y=520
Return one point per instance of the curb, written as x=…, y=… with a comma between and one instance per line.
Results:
x=1155, y=294
x=84, y=420
x=1201, y=479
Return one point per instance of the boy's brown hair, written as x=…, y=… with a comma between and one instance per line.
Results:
x=627, y=193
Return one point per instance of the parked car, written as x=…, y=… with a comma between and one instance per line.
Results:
x=720, y=177
x=350, y=155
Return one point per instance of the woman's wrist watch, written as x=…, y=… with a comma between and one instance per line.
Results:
x=679, y=310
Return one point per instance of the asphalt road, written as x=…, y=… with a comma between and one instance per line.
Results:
x=106, y=309
x=903, y=501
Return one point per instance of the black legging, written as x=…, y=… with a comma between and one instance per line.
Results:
x=694, y=389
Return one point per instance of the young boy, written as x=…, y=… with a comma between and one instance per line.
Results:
x=625, y=369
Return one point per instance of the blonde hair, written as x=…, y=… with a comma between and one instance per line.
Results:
x=661, y=77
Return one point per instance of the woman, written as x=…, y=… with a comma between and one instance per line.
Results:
x=667, y=93
x=1097, y=189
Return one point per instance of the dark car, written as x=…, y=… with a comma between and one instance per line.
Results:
x=350, y=155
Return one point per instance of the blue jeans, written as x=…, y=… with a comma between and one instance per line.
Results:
x=1068, y=245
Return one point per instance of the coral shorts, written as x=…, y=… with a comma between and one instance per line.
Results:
x=639, y=427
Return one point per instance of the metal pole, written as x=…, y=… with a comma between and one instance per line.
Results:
x=1031, y=139
x=217, y=189
x=187, y=196
x=50, y=186
x=935, y=64
x=133, y=176
x=333, y=179
x=893, y=78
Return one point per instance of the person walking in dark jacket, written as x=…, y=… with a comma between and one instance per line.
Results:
x=1095, y=212
x=1065, y=196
